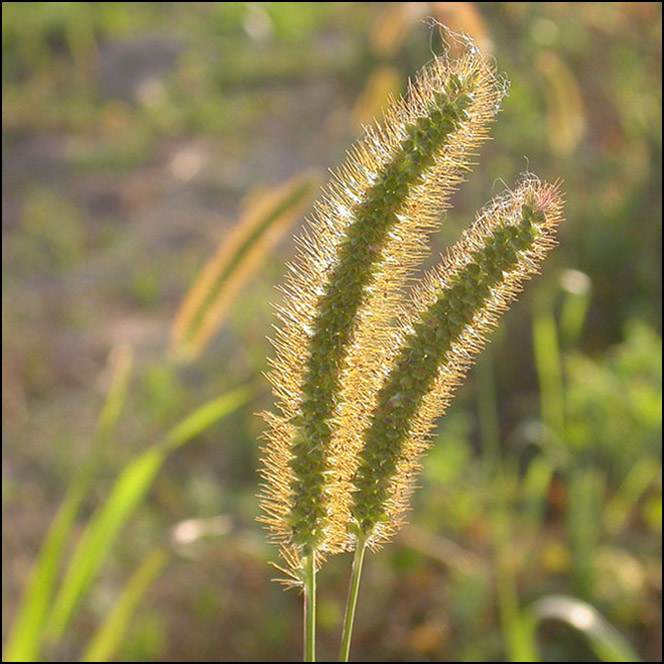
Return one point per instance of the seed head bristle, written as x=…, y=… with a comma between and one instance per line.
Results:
x=419, y=215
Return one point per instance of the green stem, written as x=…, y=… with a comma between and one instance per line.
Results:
x=309, y=563
x=352, y=601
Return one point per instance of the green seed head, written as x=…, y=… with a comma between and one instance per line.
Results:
x=368, y=231
x=446, y=326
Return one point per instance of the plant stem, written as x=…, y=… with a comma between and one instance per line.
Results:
x=352, y=600
x=309, y=563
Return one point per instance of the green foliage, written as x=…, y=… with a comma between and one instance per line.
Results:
x=110, y=635
x=614, y=405
x=94, y=217
x=23, y=643
x=96, y=541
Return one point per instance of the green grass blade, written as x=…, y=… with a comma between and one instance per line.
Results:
x=518, y=647
x=129, y=489
x=587, y=494
x=640, y=477
x=204, y=417
x=578, y=291
x=535, y=491
x=487, y=410
x=99, y=535
x=25, y=637
x=106, y=640
x=549, y=370
x=24, y=641
x=500, y=474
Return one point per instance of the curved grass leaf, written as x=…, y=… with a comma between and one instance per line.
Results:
x=606, y=641
x=25, y=636
x=106, y=640
x=130, y=488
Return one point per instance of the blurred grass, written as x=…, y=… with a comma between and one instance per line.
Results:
x=110, y=635
x=23, y=644
x=265, y=221
x=34, y=625
x=131, y=129
x=608, y=644
x=129, y=489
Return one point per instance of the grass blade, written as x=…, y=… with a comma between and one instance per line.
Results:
x=606, y=641
x=130, y=488
x=104, y=643
x=25, y=637
x=639, y=478
x=549, y=370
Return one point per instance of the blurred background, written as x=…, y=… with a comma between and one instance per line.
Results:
x=147, y=144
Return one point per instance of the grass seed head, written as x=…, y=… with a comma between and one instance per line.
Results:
x=438, y=338
x=368, y=231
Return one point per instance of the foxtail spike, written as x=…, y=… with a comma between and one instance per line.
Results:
x=343, y=290
x=438, y=336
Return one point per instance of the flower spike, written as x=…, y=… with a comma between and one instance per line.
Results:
x=438, y=336
x=344, y=288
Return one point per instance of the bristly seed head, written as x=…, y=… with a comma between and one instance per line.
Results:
x=440, y=334
x=343, y=292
